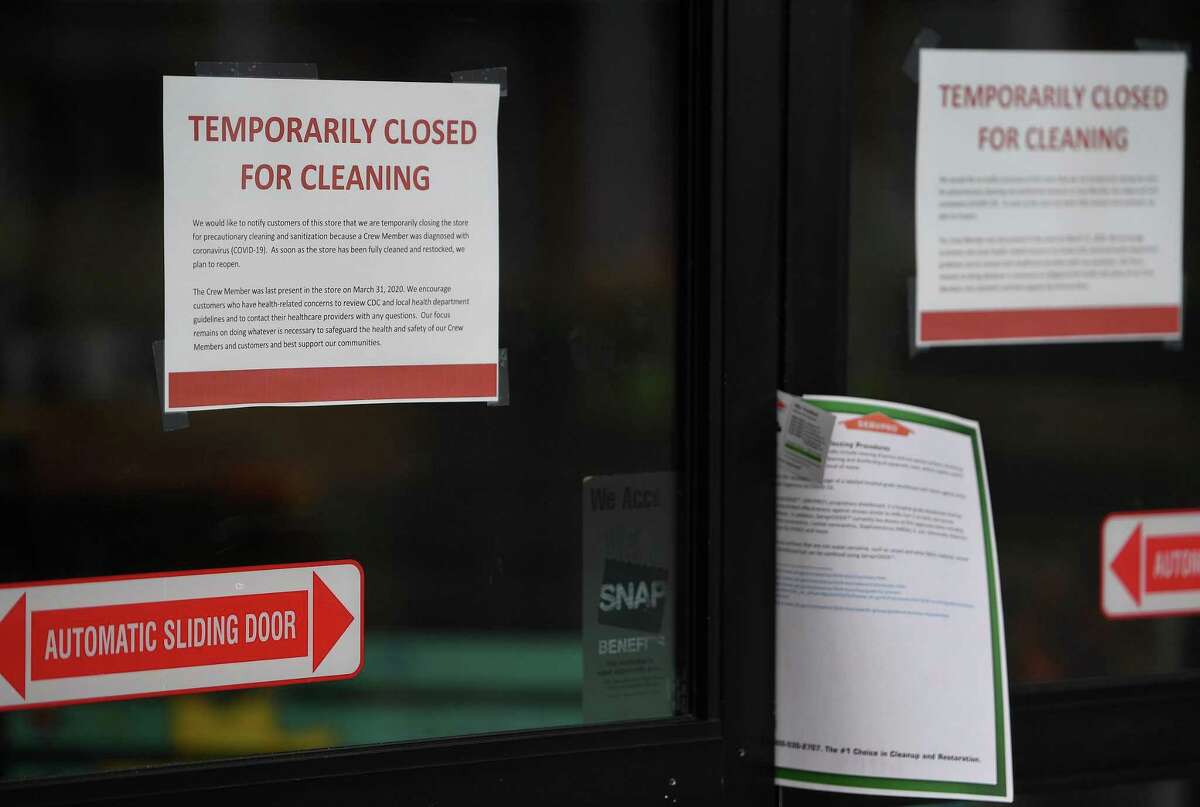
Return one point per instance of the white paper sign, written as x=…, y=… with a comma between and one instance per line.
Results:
x=890, y=665
x=1049, y=196
x=803, y=437
x=329, y=242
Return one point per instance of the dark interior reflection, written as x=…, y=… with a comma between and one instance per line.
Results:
x=1072, y=432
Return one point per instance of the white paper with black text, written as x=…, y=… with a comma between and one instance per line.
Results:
x=890, y=664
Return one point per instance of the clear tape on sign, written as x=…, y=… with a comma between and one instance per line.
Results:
x=1165, y=45
x=257, y=69
x=925, y=38
x=171, y=421
x=483, y=75
x=501, y=379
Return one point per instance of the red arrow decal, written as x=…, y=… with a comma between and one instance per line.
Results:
x=12, y=646
x=330, y=620
x=1127, y=565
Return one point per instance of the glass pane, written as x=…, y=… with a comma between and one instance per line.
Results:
x=469, y=520
x=1073, y=432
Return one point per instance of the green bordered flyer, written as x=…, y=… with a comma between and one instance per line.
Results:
x=890, y=662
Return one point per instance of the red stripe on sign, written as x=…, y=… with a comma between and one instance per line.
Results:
x=1173, y=563
x=316, y=384
x=947, y=326
x=104, y=639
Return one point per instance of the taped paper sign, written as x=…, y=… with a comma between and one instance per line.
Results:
x=1049, y=196
x=329, y=242
x=890, y=665
x=113, y=638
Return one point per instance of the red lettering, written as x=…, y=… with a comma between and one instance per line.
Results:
x=234, y=130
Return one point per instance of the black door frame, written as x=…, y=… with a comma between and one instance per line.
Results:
x=1070, y=735
x=765, y=262
x=735, y=56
